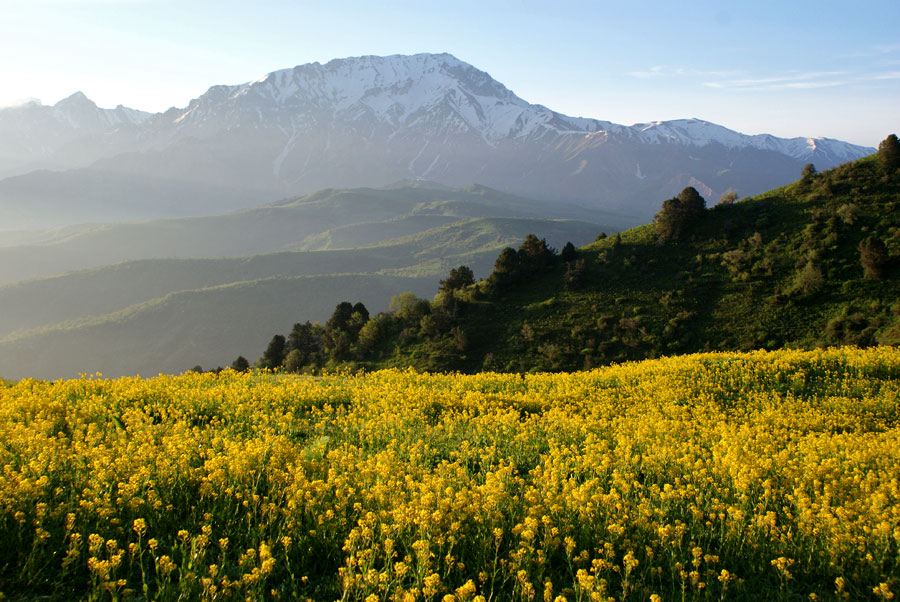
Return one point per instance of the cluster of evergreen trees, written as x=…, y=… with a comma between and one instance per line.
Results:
x=352, y=336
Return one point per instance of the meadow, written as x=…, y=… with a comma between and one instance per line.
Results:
x=735, y=476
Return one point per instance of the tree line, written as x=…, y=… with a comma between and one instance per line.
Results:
x=352, y=335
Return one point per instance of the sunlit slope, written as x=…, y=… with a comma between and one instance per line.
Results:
x=735, y=476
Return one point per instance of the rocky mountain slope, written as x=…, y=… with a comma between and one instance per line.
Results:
x=368, y=121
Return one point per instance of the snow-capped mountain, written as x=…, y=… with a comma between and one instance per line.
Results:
x=63, y=135
x=438, y=93
x=79, y=112
x=375, y=120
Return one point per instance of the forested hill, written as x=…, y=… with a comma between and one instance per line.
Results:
x=810, y=264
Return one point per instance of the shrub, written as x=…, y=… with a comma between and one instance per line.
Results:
x=873, y=257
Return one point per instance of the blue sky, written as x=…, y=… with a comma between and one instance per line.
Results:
x=790, y=68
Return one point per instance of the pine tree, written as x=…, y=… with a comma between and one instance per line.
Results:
x=506, y=268
x=535, y=255
x=305, y=340
x=340, y=316
x=274, y=354
x=889, y=153
x=459, y=278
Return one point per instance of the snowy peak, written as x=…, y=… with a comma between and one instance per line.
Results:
x=440, y=95
x=79, y=112
x=78, y=99
x=436, y=93
x=696, y=132
x=413, y=81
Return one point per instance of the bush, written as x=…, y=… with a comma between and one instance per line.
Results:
x=808, y=173
x=240, y=364
x=873, y=257
x=808, y=279
x=294, y=361
x=728, y=197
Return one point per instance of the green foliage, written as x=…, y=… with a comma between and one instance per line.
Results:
x=873, y=256
x=409, y=308
x=303, y=343
x=808, y=173
x=574, y=278
x=370, y=335
x=889, y=154
x=273, y=356
x=459, y=278
x=679, y=214
x=340, y=318
x=809, y=279
x=535, y=254
x=568, y=253
x=506, y=268
x=294, y=361
x=240, y=364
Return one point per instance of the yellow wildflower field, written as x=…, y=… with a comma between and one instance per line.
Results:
x=764, y=475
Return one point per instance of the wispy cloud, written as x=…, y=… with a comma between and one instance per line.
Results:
x=802, y=80
x=887, y=75
x=654, y=71
x=876, y=50
x=669, y=71
x=793, y=80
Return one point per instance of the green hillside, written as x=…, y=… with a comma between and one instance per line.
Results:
x=783, y=269
x=329, y=219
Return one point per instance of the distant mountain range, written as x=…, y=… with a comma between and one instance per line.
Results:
x=365, y=121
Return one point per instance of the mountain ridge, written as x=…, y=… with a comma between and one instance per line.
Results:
x=371, y=121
